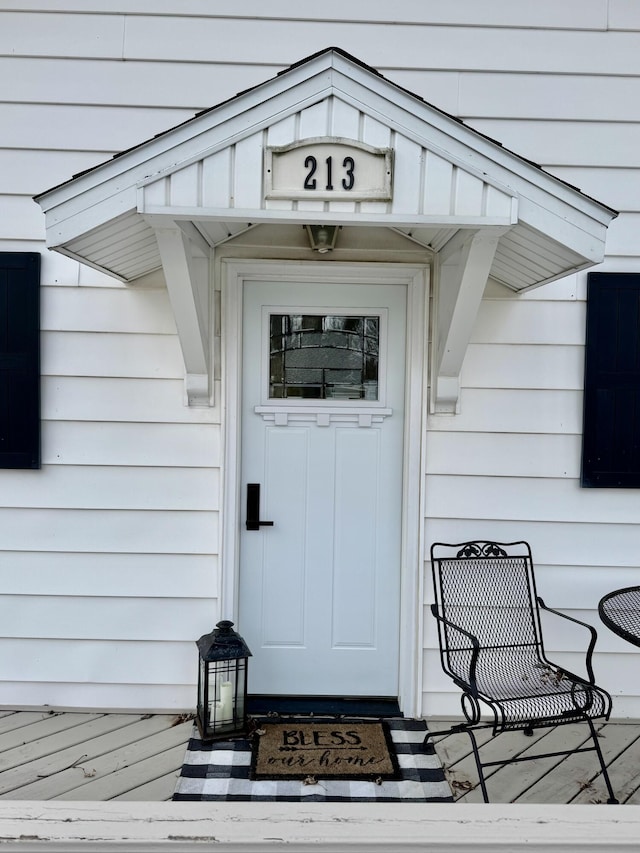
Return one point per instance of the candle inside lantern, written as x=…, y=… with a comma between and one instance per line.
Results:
x=226, y=701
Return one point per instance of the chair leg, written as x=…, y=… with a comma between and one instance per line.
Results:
x=429, y=749
x=476, y=755
x=605, y=773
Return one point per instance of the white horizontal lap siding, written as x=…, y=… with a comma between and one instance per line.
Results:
x=567, y=143
x=279, y=41
x=503, y=455
x=104, y=82
x=507, y=468
x=164, y=445
x=545, y=14
x=121, y=662
x=93, y=354
x=109, y=553
x=107, y=574
x=126, y=506
x=521, y=499
x=105, y=619
x=619, y=185
x=59, y=486
x=121, y=127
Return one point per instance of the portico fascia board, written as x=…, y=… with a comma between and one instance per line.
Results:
x=284, y=217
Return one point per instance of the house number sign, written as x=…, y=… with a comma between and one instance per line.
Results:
x=329, y=169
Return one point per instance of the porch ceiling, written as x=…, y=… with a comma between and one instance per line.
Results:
x=169, y=202
x=126, y=248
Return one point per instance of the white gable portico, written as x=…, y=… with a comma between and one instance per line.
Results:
x=330, y=556
x=481, y=210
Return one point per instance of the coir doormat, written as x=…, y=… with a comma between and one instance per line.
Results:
x=324, y=750
x=213, y=772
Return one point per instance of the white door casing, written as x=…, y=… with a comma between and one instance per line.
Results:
x=280, y=611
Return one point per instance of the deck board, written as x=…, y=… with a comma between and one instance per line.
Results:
x=575, y=779
x=127, y=779
x=80, y=743
x=519, y=778
x=94, y=758
x=157, y=791
x=621, y=749
x=76, y=756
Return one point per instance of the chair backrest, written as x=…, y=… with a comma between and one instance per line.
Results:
x=488, y=589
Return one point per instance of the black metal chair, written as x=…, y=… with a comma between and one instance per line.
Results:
x=490, y=633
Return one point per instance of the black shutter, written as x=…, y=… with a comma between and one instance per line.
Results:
x=611, y=433
x=19, y=360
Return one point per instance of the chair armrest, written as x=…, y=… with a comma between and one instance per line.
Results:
x=475, y=644
x=590, y=628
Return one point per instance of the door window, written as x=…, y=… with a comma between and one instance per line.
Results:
x=323, y=356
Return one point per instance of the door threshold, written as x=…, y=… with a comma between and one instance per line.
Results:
x=324, y=705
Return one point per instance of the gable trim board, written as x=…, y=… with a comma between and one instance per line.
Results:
x=205, y=178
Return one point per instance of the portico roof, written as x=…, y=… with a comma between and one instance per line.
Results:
x=172, y=199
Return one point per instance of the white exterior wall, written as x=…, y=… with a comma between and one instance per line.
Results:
x=109, y=554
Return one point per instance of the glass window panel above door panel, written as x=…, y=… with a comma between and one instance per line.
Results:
x=324, y=357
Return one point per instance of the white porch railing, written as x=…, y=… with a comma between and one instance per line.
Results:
x=293, y=828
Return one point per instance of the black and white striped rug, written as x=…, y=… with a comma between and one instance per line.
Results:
x=222, y=771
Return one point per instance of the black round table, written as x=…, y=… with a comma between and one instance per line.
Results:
x=620, y=611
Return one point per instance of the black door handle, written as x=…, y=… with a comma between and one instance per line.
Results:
x=253, y=508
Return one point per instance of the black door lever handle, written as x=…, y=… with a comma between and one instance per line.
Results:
x=253, y=508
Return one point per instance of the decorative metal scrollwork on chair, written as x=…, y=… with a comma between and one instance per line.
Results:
x=490, y=634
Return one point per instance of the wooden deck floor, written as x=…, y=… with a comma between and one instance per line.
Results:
x=49, y=755
x=93, y=756
x=574, y=779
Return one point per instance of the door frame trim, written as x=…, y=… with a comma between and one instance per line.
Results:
x=416, y=279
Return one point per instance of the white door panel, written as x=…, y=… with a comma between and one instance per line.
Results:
x=319, y=590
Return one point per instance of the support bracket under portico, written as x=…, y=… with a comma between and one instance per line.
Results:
x=187, y=279
x=464, y=265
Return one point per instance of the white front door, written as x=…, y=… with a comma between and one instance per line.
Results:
x=322, y=447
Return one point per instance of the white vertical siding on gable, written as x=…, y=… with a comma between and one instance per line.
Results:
x=248, y=186
x=216, y=184
x=554, y=81
x=424, y=182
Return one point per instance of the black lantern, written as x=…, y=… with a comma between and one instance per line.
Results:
x=222, y=683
